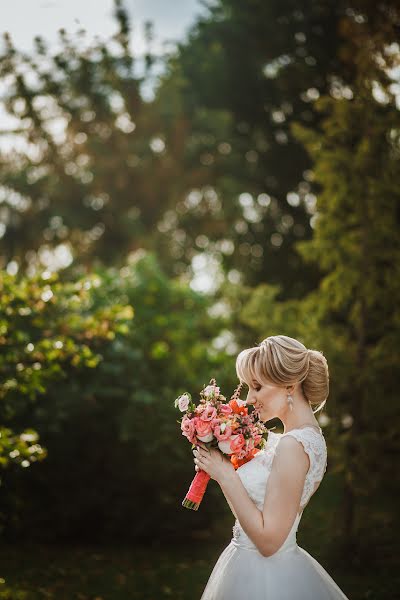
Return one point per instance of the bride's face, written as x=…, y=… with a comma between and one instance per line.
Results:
x=268, y=399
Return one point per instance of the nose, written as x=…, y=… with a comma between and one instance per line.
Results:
x=249, y=399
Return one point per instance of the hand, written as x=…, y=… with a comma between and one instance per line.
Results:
x=213, y=462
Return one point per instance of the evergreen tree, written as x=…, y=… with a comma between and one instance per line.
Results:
x=356, y=243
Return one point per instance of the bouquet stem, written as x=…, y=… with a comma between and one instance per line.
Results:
x=196, y=491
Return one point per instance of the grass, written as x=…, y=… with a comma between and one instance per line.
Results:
x=83, y=573
x=169, y=570
x=38, y=572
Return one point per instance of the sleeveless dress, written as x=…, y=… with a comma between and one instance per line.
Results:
x=241, y=571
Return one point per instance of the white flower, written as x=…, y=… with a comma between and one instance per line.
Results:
x=211, y=390
x=183, y=402
x=225, y=446
x=205, y=438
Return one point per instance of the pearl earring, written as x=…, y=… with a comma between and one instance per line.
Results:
x=290, y=401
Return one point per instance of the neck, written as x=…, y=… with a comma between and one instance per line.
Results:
x=298, y=417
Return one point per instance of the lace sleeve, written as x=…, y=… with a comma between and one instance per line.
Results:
x=315, y=447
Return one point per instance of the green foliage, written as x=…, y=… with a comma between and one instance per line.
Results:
x=245, y=72
x=295, y=199
x=48, y=328
x=19, y=449
x=168, y=175
x=353, y=314
x=47, y=324
x=357, y=244
x=111, y=431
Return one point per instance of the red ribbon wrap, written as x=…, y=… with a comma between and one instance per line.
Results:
x=198, y=487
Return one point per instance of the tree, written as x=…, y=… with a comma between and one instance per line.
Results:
x=83, y=177
x=357, y=244
x=245, y=72
x=110, y=431
x=47, y=327
x=353, y=314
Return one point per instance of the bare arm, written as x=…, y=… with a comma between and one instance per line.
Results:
x=269, y=528
x=284, y=490
x=229, y=502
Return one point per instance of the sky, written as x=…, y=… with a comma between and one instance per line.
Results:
x=24, y=19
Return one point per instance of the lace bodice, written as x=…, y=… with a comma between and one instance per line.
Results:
x=254, y=475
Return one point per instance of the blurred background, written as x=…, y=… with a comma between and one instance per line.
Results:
x=179, y=181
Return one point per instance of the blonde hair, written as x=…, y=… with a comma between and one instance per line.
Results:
x=282, y=361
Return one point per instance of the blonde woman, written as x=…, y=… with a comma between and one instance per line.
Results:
x=268, y=494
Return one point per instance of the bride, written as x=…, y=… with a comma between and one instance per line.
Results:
x=268, y=494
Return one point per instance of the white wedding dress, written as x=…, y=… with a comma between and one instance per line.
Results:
x=241, y=571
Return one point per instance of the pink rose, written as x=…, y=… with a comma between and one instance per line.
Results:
x=209, y=413
x=225, y=409
x=188, y=428
x=215, y=423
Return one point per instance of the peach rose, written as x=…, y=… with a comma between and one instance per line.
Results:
x=223, y=432
x=203, y=428
x=237, y=443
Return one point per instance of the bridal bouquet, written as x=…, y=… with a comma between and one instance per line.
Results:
x=222, y=424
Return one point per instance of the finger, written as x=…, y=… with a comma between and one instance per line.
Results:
x=198, y=462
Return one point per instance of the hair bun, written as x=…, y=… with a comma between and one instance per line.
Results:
x=283, y=360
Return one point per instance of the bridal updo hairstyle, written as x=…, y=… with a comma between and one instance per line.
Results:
x=282, y=360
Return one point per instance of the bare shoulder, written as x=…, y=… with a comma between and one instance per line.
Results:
x=290, y=451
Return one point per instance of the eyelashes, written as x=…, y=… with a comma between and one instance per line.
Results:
x=257, y=388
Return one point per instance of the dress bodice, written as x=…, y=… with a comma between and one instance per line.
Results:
x=255, y=473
